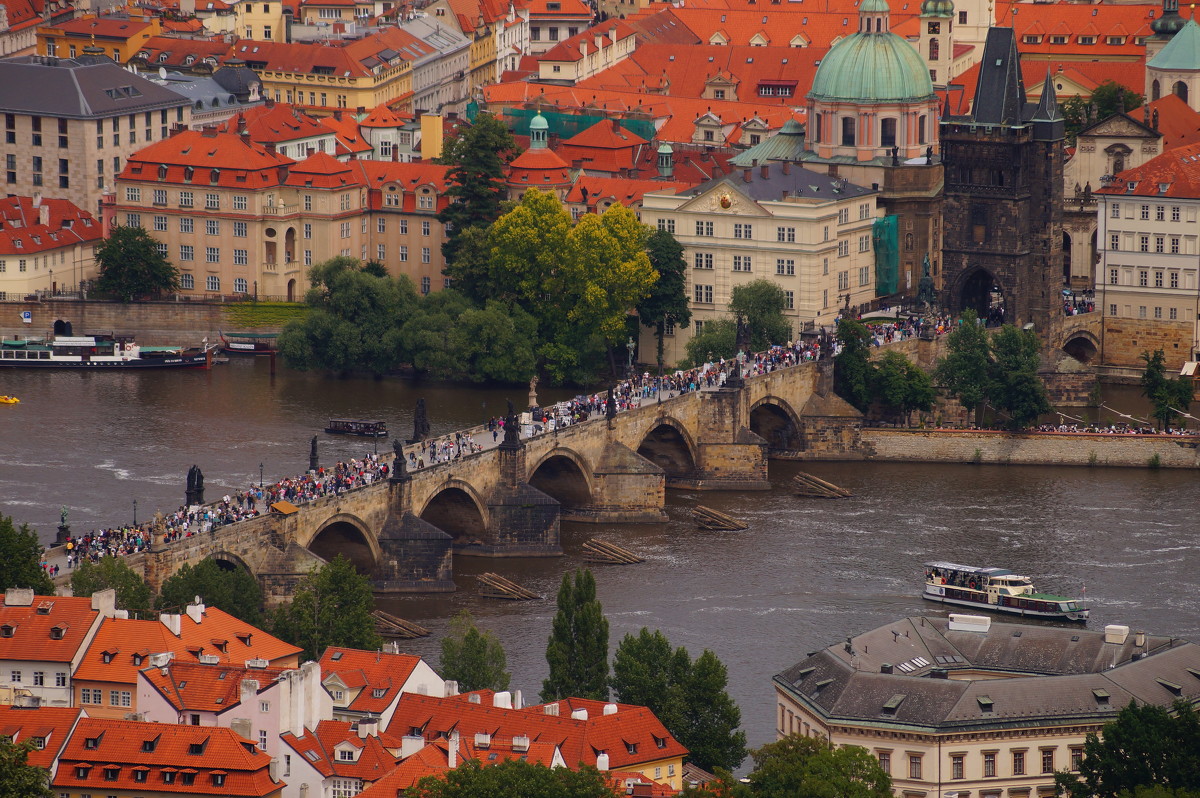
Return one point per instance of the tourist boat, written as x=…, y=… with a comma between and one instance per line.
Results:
x=98, y=351
x=997, y=590
x=9, y=400
x=248, y=343
x=353, y=426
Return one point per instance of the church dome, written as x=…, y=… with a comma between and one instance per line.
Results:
x=872, y=67
x=937, y=8
x=539, y=122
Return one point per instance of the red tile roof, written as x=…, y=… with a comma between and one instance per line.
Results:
x=1072, y=20
x=565, y=8
x=382, y=116
x=572, y=49
x=119, y=28
x=1175, y=173
x=207, y=158
x=276, y=123
x=322, y=170
x=375, y=755
x=205, y=688
x=1178, y=123
x=374, y=670
x=51, y=629
x=21, y=230
x=1088, y=74
x=52, y=724
x=126, y=747
x=590, y=191
x=177, y=50
x=356, y=58
x=404, y=179
x=538, y=168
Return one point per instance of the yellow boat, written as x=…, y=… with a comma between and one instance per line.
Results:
x=9, y=400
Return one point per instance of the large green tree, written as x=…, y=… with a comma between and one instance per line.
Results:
x=355, y=321
x=1015, y=387
x=1169, y=395
x=809, y=767
x=900, y=385
x=131, y=267
x=760, y=305
x=963, y=372
x=718, y=339
x=1107, y=99
x=667, y=303
x=18, y=778
x=234, y=590
x=1145, y=748
x=513, y=778
x=851, y=366
x=331, y=607
x=21, y=565
x=476, y=154
x=690, y=698
x=473, y=658
x=133, y=592
x=577, y=651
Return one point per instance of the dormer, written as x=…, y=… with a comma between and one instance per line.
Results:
x=7, y=630
x=718, y=38
x=346, y=752
x=197, y=748
x=109, y=655
x=58, y=632
x=92, y=743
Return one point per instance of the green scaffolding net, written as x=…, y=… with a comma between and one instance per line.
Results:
x=567, y=125
x=885, y=237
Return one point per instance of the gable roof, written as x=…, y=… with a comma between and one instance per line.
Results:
x=1178, y=122
x=80, y=88
x=52, y=724
x=374, y=754
x=21, y=230
x=50, y=629
x=208, y=157
x=275, y=123
x=373, y=671
x=188, y=686
x=1175, y=173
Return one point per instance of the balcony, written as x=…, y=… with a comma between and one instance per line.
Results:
x=279, y=210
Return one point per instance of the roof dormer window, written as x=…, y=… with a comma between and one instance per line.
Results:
x=7, y=630
x=58, y=632
x=92, y=743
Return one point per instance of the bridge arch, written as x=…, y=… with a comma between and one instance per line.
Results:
x=349, y=536
x=456, y=509
x=774, y=420
x=1082, y=345
x=228, y=561
x=669, y=445
x=566, y=476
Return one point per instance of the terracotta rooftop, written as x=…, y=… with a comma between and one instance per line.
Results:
x=50, y=629
x=22, y=232
x=382, y=674
x=373, y=755
x=1175, y=173
x=205, y=688
x=52, y=725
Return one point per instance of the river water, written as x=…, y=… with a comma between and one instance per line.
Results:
x=806, y=574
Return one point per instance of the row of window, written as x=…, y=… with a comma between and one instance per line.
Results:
x=1160, y=212
x=782, y=234
x=988, y=761
x=1059, y=38
x=1143, y=280
x=116, y=698
x=39, y=677
x=1143, y=245
x=1172, y=313
x=37, y=169
x=212, y=227
x=703, y=294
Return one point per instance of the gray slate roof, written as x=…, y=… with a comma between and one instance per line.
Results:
x=78, y=88
x=799, y=182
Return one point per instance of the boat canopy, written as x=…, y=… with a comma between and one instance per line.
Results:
x=968, y=569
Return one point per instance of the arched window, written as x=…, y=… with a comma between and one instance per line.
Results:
x=921, y=137
x=820, y=126
x=1155, y=91
x=1180, y=90
x=934, y=50
x=848, y=131
x=887, y=132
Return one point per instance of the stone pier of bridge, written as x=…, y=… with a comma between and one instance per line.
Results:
x=508, y=500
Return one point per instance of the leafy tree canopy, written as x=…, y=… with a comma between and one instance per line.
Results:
x=513, y=778
x=717, y=340
x=964, y=370
x=18, y=778
x=476, y=155
x=809, y=767
x=667, y=303
x=1169, y=395
x=761, y=304
x=331, y=607
x=234, y=590
x=133, y=592
x=1107, y=99
x=1014, y=384
x=21, y=565
x=131, y=267
x=851, y=366
x=577, y=651
x=473, y=658
x=900, y=385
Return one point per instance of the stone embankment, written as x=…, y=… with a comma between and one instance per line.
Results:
x=158, y=323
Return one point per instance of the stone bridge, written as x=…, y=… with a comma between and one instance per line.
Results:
x=507, y=501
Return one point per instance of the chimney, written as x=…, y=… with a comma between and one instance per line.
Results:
x=309, y=151
x=765, y=170
x=483, y=740
x=602, y=762
x=616, y=126
x=579, y=714
x=518, y=700
x=360, y=110
x=195, y=610
x=270, y=146
x=209, y=131
x=1115, y=633
x=451, y=688
x=747, y=175
x=787, y=167
x=249, y=689
x=244, y=135
x=885, y=668
x=502, y=700
x=1139, y=639
x=610, y=709
x=337, y=114
x=551, y=709
x=18, y=597
x=105, y=602
x=411, y=744
x=753, y=162
x=368, y=727
x=172, y=621
x=473, y=698
x=452, y=750
x=240, y=727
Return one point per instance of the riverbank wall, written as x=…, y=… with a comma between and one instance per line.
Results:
x=153, y=323
x=1035, y=448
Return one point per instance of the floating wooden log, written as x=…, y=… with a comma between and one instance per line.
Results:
x=604, y=552
x=708, y=518
x=389, y=625
x=496, y=586
x=808, y=485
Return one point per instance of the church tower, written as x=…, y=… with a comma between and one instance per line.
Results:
x=937, y=41
x=1002, y=252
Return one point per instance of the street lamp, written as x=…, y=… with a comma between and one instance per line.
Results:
x=260, y=475
x=135, y=512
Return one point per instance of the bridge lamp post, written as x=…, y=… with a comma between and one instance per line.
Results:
x=260, y=475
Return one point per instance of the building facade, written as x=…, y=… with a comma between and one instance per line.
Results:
x=46, y=246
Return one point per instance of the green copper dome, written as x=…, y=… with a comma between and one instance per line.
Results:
x=937, y=8
x=1182, y=52
x=872, y=67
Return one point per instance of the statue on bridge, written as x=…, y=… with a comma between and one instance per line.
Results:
x=313, y=464
x=420, y=423
x=512, y=435
x=195, y=486
x=399, y=464
x=926, y=295
x=610, y=406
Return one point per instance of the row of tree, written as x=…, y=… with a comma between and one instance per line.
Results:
x=893, y=381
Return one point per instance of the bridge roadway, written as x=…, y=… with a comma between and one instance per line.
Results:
x=508, y=499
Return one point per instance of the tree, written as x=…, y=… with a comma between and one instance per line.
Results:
x=21, y=565
x=331, y=607
x=18, y=778
x=718, y=340
x=1147, y=746
x=234, y=590
x=690, y=698
x=1169, y=395
x=133, y=592
x=1108, y=98
x=964, y=370
x=473, y=658
x=495, y=343
x=131, y=267
x=577, y=650
x=513, y=778
x=476, y=154
x=760, y=304
x=851, y=366
x=1015, y=386
x=667, y=303
x=810, y=767
x=900, y=386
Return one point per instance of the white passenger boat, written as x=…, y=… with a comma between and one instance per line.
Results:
x=997, y=590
